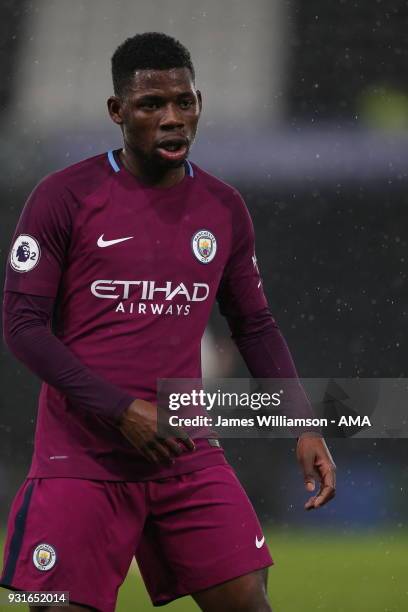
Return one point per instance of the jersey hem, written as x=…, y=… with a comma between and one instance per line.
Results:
x=216, y=457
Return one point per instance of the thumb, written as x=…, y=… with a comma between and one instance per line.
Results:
x=306, y=457
x=309, y=475
x=310, y=483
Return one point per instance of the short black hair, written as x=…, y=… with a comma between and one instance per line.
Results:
x=150, y=50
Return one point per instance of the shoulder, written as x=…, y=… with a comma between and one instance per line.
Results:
x=227, y=193
x=55, y=199
x=78, y=179
x=229, y=197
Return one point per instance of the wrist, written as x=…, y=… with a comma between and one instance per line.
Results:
x=126, y=409
x=309, y=434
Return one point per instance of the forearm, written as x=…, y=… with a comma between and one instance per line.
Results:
x=262, y=346
x=267, y=356
x=28, y=336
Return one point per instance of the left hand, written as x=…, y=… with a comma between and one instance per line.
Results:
x=316, y=462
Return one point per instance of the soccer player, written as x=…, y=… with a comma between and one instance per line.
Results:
x=126, y=253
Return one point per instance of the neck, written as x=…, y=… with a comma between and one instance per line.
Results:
x=154, y=177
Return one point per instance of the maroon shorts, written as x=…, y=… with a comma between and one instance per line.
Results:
x=188, y=533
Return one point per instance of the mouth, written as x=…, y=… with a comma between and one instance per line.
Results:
x=173, y=149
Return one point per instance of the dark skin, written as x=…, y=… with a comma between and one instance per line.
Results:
x=158, y=106
x=316, y=463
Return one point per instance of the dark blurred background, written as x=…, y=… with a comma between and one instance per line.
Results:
x=306, y=112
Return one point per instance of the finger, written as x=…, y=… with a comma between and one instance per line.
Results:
x=178, y=433
x=173, y=446
x=327, y=487
x=325, y=495
x=308, y=469
x=160, y=449
x=155, y=451
x=310, y=483
x=309, y=477
x=188, y=443
x=329, y=475
x=150, y=455
x=327, y=484
x=309, y=505
x=185, y=438
x=130, y=438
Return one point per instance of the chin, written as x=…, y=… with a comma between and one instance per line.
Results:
x=165, y=164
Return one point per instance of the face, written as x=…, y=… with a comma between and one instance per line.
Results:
x=158, y=116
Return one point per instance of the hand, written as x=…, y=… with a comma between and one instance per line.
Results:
x=316, y=462
x=139, y=425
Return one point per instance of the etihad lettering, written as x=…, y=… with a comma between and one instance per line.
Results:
x=148, y=290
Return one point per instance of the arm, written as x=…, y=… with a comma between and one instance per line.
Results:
x=267, y=355
x=262, y=346
x=242, y=301
x=27, y=333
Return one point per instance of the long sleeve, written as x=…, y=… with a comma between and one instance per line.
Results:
x=28, y=335
x=267, y=356
x=243, y=303
x=262, y=345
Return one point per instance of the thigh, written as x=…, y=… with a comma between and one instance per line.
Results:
x=73, y=535
x=244, y=594
x=202, y=531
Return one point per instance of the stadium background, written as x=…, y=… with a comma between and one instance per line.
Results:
x=306, y=112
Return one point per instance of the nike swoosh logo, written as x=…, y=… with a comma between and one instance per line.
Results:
x=105, y=243
x=259, y=543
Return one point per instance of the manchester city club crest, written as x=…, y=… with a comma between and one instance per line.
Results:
x=204, y=246
x=44, y=557
x=25, y=253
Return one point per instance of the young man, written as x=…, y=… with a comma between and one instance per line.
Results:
x=129, y=250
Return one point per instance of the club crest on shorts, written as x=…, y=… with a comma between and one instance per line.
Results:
x=44, y=557
x=25, y=253
x=204, y=246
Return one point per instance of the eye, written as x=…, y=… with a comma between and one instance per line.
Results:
x=150, y=105
x=186, y=103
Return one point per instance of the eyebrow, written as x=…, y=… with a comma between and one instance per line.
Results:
x=150, y=97
x=156, y=97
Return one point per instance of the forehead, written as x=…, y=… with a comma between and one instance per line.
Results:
x=164, y=81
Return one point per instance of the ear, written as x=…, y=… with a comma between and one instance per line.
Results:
x=115, y=109
x=200, y=100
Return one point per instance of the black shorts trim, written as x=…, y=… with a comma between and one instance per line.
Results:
x=17, y=537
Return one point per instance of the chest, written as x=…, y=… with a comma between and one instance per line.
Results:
x=183, y=238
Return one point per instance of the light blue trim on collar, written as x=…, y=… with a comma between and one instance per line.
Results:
x=189, y=169
x=112, y=161
x=116, y=168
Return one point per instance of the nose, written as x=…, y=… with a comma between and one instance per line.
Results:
x=172, y=119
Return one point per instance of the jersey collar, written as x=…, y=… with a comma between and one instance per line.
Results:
x=111, y=158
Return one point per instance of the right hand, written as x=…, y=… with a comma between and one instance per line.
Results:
x=139, y=425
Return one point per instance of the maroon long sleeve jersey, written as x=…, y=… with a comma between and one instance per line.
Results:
x=131, y=273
